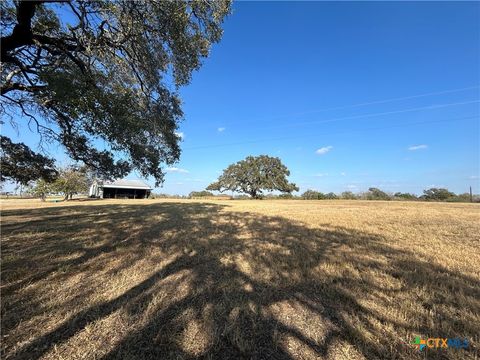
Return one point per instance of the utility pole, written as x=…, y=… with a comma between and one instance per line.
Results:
x=471, y=196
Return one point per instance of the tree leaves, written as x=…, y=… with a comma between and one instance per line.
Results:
x=22, y=165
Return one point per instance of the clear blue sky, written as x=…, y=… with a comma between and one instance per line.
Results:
x=348, y=95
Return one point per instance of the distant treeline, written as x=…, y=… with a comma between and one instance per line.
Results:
x=432, y=194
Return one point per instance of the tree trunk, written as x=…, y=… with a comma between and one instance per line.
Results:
x=22, y=32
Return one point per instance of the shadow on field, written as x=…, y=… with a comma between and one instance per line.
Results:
x=236, y=285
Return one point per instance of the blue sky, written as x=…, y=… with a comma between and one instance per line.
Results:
x=348, y=95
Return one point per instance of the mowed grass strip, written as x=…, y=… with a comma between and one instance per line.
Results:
x=181, y=279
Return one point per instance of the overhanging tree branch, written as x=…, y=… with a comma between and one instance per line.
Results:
x=113, y=75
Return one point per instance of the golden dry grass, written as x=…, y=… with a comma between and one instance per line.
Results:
x=182, y=279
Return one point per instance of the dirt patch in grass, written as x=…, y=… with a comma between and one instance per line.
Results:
x=238, y=279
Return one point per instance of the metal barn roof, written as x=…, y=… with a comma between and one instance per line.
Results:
x=126, y=184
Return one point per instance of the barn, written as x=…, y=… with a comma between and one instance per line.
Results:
x=120, y=189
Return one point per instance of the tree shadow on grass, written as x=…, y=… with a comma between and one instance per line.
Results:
x=231, y=285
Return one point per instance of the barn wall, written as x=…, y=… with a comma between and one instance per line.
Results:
x=120, y=193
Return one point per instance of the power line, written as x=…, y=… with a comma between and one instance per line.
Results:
x=429, y=107
x=391, y=100
x=337, y=132
x=371, y=103
x=398, y=99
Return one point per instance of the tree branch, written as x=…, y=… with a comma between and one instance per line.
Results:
x=18, y=86
x=22, y=34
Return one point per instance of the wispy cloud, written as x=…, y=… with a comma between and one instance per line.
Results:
x=474, y=177
x=221, y=129
x=195, y=180
x=324, y=150
x=417, y=147
x=180, y=134
x=321, y=174
x=343, y=173
x=177, y=170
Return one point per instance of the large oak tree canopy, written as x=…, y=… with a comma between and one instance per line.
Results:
x=84, y=73
x=253, y=175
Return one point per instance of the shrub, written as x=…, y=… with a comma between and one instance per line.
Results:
x=242, y=197
x=158, y=196
x=312, y=195
x=348, y=195
x=203, y=193
x=286, y=196
x=405, y=196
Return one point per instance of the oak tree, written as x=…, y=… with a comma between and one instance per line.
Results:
x=439, y=194
x=377, y=194
x=71, y=180
x=254, y=175
x=41, y=189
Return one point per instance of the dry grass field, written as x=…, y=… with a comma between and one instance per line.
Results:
x=183, y=279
